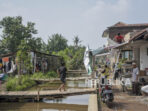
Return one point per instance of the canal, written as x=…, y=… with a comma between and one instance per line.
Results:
x=69, y=103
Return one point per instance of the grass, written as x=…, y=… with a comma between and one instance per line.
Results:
x=26, y=81
x=47, y=75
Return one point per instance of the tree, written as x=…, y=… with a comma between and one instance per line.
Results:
x=76, y=41
x=24, y=57
x=13, y=31
x=77, y=59
x=37, y=44
x=57, y=43
x=72, y=57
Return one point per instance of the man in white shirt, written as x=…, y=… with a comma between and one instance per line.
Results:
x=135, y=74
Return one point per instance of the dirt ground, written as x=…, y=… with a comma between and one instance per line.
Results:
x=126, y=102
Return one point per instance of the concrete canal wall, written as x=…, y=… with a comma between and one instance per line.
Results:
x=93, y=103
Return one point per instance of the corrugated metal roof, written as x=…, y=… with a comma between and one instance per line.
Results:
x=139, y=34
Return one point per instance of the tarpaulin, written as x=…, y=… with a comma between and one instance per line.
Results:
x=5, y=59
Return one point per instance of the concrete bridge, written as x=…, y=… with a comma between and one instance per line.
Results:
x=39, y=95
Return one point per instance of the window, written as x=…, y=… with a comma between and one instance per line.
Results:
x=127, y=55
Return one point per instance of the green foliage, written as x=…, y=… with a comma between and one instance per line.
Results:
x=26, y=81
x=17, y=37
x=37, y=44
x=121, y=62
x=51, y=74
x=13, y=32
x=77, y=60
x=11, y=84
x=76, y=41
x=56, y=43
x=73, y=57
x=18, y=84
x=47, y=75
x=23, y=57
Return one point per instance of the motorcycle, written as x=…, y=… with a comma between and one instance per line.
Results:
x=106, y=94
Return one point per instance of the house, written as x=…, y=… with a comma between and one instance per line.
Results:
x=128, y=31
x=139, y=44
x=40, y=62
x=123, y=29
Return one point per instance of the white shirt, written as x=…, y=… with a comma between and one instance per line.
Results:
x=134, y=74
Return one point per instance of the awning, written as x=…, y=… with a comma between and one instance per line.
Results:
x=104, y=54
x=120, y=45
x=100, y=51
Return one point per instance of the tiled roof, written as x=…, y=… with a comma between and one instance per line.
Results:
x=121, y=24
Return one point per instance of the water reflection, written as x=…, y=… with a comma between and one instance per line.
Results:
x=71, y=103
x=79, y=99
x=69, y=84
x=78, y=84
x=41, y=107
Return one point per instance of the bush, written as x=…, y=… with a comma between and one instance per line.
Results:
x=21, y=83
x=25, y=81
x=40, y=75
x=11, y=84
x=51, y=74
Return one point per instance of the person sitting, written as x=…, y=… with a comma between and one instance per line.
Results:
x=119, y=38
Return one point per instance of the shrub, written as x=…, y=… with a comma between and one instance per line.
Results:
x=40, y=75
x=17, y=84
x=26, y=81
x=11, y=83
x=51, y=74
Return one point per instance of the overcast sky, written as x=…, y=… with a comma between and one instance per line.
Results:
x=85, y=18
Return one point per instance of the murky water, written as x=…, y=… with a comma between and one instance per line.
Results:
x=71, y=103
x=69, y=84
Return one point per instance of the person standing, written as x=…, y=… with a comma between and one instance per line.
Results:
x=135, y=74
x=119, y=38
x=62, y=73
x=105, y=75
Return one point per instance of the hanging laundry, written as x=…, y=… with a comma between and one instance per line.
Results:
x=13, y=67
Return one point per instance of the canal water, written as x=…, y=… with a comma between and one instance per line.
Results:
x=69, y=103
x=69, y=85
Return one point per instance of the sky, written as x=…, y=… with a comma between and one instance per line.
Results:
x=84, y=18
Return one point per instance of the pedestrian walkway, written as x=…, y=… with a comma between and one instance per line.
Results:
x=39, y=95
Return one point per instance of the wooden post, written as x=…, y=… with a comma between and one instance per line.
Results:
x=34, y=62
x=38, y=96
